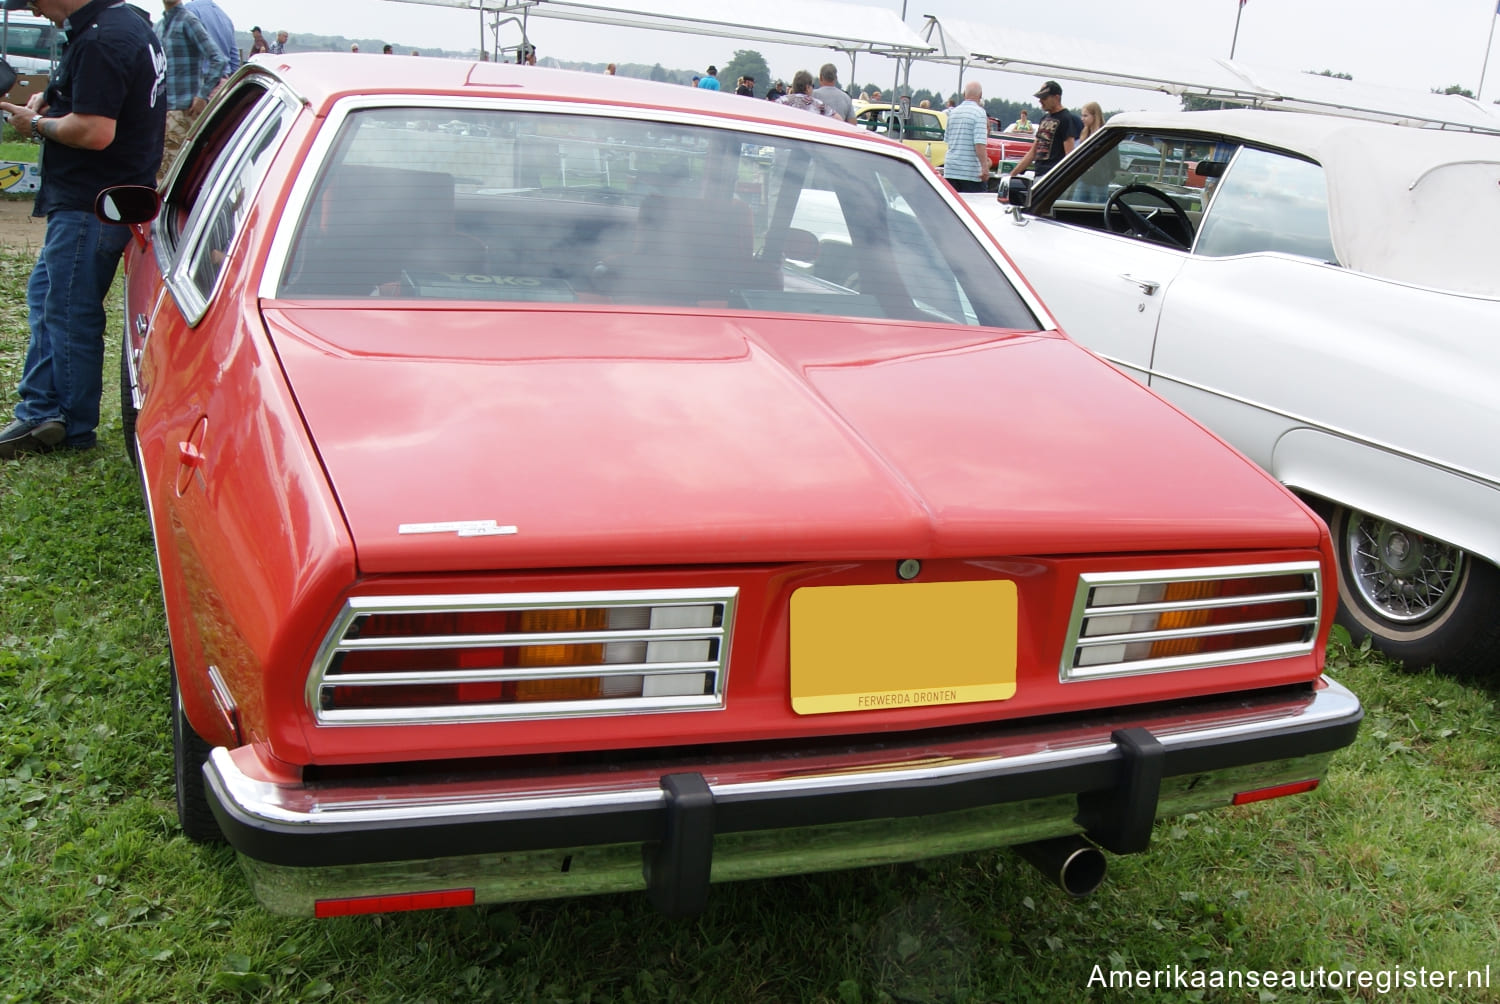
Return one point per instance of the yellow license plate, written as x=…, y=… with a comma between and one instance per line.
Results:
x=902, y=645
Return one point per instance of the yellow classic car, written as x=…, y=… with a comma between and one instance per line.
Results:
x=923, y=130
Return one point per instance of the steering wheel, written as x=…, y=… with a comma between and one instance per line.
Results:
x=1137, y=224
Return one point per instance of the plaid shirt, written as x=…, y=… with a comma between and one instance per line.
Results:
x=194, y=63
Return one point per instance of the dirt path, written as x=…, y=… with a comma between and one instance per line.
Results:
x=17, y=227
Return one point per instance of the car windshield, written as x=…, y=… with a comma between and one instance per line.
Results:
x=500, y=205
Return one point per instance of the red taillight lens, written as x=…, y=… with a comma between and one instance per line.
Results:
x=1249, y=613
x=476, y=624
x=439, y=622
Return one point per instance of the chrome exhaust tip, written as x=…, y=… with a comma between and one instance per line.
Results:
x=1072, y=864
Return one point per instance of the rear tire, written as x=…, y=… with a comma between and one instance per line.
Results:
x=189, y=754
x=1418, y=599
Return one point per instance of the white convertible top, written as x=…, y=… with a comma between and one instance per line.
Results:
x=1417, y=205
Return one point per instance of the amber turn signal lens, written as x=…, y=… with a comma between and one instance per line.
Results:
x=1175, y=619
x=568, y=689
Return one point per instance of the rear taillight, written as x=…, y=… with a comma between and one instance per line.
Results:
x=1150, y=622
x=523, y=655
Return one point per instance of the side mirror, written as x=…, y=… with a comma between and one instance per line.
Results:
x=1019, y=192
x=127, y=204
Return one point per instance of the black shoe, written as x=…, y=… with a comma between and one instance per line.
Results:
x=30, y=437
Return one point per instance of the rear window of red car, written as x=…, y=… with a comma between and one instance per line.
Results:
x=500, y=205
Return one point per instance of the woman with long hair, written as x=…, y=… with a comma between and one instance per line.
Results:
x=1093, y=119
x=1094, y=185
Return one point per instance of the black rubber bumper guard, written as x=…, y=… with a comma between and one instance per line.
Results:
x=677, y=868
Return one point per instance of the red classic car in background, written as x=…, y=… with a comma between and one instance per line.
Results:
x=1005, y=149
x=533, y=499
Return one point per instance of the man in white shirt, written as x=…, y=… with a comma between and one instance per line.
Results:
x=967, y=165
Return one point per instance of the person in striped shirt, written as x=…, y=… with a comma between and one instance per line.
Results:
x=967, y=164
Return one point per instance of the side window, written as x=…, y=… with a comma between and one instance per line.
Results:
x=230, y=197
x=924, y=125
x=1269, y=202
x=198, y=159
x=876, y=120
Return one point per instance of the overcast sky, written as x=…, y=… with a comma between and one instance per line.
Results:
x=1391, y=42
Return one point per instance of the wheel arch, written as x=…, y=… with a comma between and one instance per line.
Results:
x=1441, y=503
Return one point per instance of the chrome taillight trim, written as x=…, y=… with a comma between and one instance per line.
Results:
x=323, y=676
x=1077, y=640
x=1205, y=631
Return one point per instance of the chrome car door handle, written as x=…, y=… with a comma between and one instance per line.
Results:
x=1148, y=286
x=142, y=325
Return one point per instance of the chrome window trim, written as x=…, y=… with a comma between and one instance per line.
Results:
x=1069, y=673
x=1213, y=196
x=301, y=191
x=176, y=265
x=335, y=643
x=170, y=247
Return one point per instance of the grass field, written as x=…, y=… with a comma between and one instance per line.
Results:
x=12, y=148
x=1394, y=862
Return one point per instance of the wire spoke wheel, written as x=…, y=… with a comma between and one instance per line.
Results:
x=1419, y=599
x=1400, y=573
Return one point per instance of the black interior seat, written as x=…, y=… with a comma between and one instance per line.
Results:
x=368, y=225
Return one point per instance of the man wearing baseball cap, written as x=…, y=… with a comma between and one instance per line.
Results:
x=1055, y=133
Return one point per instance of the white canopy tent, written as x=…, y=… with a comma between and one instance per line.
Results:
x=853, y=29
x=850, y=29
x=967, y=43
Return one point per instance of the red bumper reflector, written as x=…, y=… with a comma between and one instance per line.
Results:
x=393, y=904
x=1275, y=791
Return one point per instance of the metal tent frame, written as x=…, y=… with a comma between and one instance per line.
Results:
x=966, y=44
x=849, y=29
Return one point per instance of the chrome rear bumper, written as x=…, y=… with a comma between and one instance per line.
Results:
x=511, y=835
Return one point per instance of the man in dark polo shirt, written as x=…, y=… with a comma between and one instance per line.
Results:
x=101, y=121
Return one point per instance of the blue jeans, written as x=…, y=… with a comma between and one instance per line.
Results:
x=64, y=373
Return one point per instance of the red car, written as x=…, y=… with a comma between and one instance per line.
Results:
x=540, y=513
x=1005, y=149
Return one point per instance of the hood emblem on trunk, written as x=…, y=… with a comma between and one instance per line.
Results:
x=462, y=527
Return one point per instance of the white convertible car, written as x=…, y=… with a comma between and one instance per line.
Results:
x=1325, y=294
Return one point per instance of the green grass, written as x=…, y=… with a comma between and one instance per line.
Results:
x=13, y=148
x=1394, y=861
